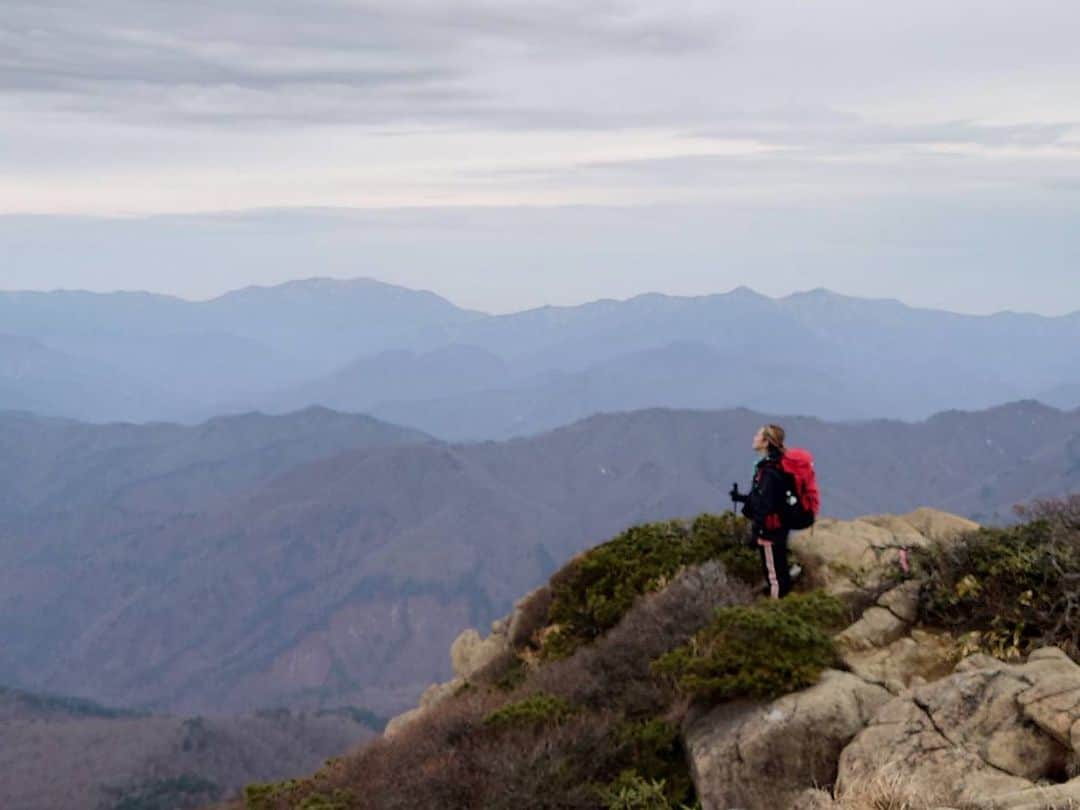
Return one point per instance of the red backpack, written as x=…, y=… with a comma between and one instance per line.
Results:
x=803, y=500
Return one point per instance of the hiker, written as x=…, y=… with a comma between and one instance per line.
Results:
x=764, y=506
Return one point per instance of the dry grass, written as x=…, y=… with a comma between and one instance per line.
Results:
x=894, y=791
x=888, y=791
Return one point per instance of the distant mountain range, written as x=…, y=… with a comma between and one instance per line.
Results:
x=193, y=355
x=318, y=559
x=415, y=359
x=58, y=752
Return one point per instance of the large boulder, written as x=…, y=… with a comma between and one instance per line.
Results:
x=937, y=525
x=988, y=733
x=1053, y=701
x=398, y=724
x=431, y=697
x=529, y=615
x=470, y=653
x=760, y=755
x=903, y=743
x=850, y=557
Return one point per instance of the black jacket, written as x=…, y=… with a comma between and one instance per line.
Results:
x=765, y=503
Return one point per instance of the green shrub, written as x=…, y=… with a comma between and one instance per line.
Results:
x=593, y=593
x=535, y=710
x=269, y=795
x=512, y=675
x=763, y=650
x=631, y=791
x=727, y=535
x=1012, y=589
x=654, y=748
x=187, y=790
x=338, y=800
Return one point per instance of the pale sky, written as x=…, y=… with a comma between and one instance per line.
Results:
x=923, y=150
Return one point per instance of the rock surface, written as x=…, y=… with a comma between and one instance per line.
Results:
x=847, y=557
x=987, y=733
x=882, y=646
x=787, y=746
x=470, y=653
x=1045, y=797
x=912, y=660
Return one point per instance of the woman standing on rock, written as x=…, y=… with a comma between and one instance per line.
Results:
x=764, y=507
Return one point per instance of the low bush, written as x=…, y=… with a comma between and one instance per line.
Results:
x=593, y=592
x=1010, y=589
x=631, y=791
x=654, y=747
x=535, y=710
x=558, y=733
x=338, y=800
x=510, y=673
x=273, y=794
x=762, y=650
x=175, y=793
x=614, y=672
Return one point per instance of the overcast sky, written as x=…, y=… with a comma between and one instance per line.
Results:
x=508, y=153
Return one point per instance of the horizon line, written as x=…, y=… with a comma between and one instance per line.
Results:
x=738, y=289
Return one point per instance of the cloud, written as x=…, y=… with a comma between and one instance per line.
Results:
x=822, y=127
x=316, y=61
x=135, y=106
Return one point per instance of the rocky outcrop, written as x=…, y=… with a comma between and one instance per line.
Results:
x=905, y=717
x=980, y=733
x=991, y=734
x=529, y=616
x=470, y=655
x=738, y=750
x=849, y=557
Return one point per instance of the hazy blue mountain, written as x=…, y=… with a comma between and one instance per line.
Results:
x=344, y=578
x=326, y=323
x=203, y=353
x=78, y=313
x=818, y=353
x=190, y=368
x=397, y=375
x=415, y=358
x=962, y=360
x=576, y=338
x=680, y=375
x=37, y=378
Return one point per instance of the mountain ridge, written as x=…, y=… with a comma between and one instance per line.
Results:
x=289, y=345
x=334, y=579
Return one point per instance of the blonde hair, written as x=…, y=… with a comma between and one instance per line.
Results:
x=774, y=435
